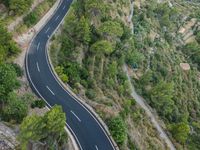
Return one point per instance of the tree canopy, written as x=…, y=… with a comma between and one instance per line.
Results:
x=111, y=28
x=161, y=97
x=8, y=80
x=47, y=129
x=118, y=130
x=20, y=6
x=102, y=47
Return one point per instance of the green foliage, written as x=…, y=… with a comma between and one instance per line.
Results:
x=7, y=46
x=90, y=93
x=102, y=47
x=20, y=6
x=180, y=131
x=111, y=28
x=112, y=69
x=8, y=80
x=46, y=129
x=118, y=130
x=31, y=19
x=95, y=8
x=161, y=98
x=60, y=71
x=134, y=58
x=18, y=69
x=83, y=30
x=192, y=50
x=38, y=103
x=16, y=109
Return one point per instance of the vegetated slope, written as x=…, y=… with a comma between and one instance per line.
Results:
x=89, y=54
x=167, y=35
x=16, y=102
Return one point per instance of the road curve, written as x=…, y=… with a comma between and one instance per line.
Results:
x=86, y=129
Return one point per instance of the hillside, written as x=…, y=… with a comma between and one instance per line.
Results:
x=159, y=43
x=24, y=119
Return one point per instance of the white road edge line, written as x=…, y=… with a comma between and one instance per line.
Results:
x=76, y=116
x=85, y=107
x=57, y=17
x=31, y=82
x=96, y=147
x=47, y=29
x=50, y=90
x=38, y=68
x=38, y=46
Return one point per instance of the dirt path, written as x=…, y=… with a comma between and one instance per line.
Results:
x=141, y=102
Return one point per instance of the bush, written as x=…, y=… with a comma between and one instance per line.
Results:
x=38, y=103
x=16, y=109
x=90, y=93
x=118, y=130
x=31, y=19
x=18, y=69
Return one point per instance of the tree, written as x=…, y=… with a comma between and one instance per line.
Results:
x=118, y=130
x=192, y=50
x=180, y=131
x=31, y=129
x=161, y=98
x=134, y=58
x=47, y=129
x=60, y=71
x=111, y=28
x=31, y=19
x=7, y=46
x=102, y=47
x=83, y=30
x=16, y=109
x=8, y=80
x=112, y=69
x=20, y=6
x=95, y=8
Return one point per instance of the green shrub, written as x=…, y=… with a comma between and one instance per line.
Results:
x=16, y=109
x=90, y=93
x=38, y=103
x=118, y=130
x=31, y=19
x=18, y=69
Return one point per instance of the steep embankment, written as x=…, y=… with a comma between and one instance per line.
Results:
x=89, y=54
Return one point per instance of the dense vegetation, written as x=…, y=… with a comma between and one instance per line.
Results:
x=173, y=92
x=18, y=6
x=7, y=47
x=89, y=55
x=12, y=107
x=15, y=106
x=96, y=42
x=48, y=129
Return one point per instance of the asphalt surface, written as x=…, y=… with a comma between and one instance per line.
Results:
x=88, y=132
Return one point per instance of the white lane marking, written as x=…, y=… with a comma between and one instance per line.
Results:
x=76, y=116
x=63, y=7
x=50, y=90
x=47, y=29
x=38, y=67
x=57, y=17
x=96, y=147
x=38, y=46
x=31, y=83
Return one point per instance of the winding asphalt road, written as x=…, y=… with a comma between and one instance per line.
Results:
x=88, y=132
